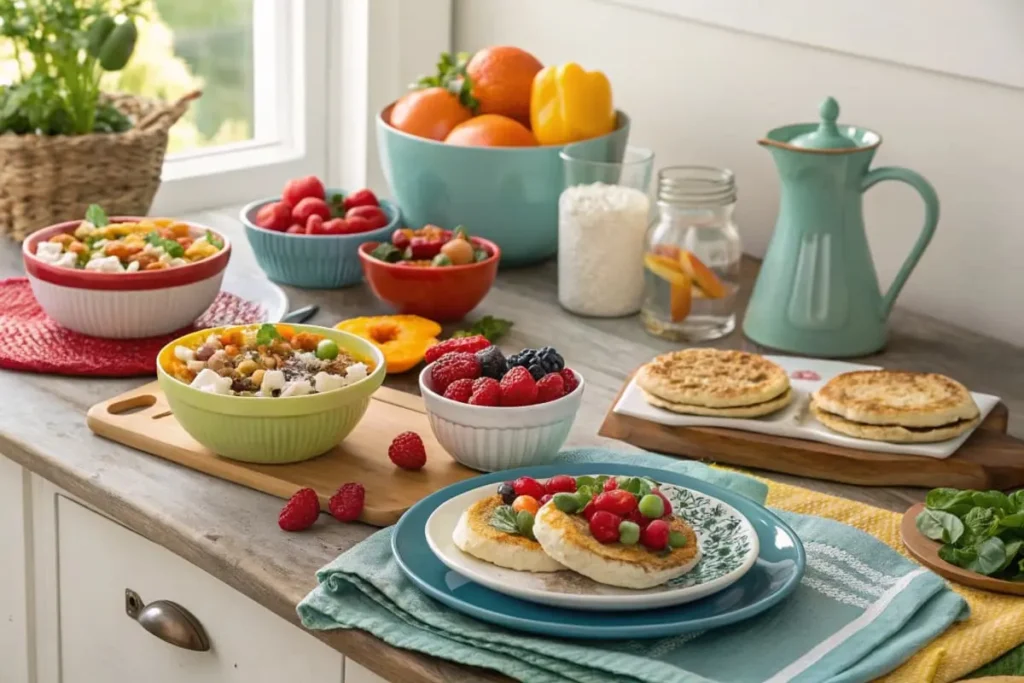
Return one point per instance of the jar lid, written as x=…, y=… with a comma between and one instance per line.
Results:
x=827, y=134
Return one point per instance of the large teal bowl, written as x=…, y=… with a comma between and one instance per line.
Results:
x=312, y=261
x=272, y=431
x=508, y=195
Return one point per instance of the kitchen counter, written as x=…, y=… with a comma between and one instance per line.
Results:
x=231, y=532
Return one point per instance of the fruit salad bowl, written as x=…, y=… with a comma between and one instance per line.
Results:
x=440, y=293
x=312, y=261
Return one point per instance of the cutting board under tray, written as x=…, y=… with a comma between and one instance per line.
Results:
x=141, y=419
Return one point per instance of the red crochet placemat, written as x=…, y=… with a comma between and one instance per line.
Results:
x=31, y=341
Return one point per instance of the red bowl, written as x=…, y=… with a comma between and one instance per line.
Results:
x=442, y=294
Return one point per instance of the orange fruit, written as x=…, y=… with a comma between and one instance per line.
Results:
x=702, y=276
x=502, y=78
x=491, y=130
x=429, y=113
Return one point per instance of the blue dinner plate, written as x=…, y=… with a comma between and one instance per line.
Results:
x=779, y=567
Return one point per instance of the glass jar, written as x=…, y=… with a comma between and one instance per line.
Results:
x=692, y=256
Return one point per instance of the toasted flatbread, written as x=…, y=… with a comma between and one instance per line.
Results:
x=567, y=539
x=886, y=397
x=474, y=535
x=757, y=410
x=893, y=433
x=713, y=378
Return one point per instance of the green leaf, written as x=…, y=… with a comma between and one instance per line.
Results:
x=96, y=215
x=385, y=251
x=212, y=238
x=585, y=480
x=504, y=519
x=993, y=499
x=171, y=247
x=490, y=327
x=1017, y=500
x=979, y=522
x=991, y=556
x=949, y=500
x=940, y=526
x=961, y=557
x=1014, y=521
x=1012, y=550
x=267, y=334
x=480, y=255
x=460, y=233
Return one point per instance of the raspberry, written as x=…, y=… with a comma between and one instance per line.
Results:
x=668, y=505
x=460, y=390
x=407, y=451
x=453, y=366
x=347, y=504
x=588, y=511
x=300, y=511
x=492, y=362
x=550, y=387
x=619, y=502
x=655, y=535
x=570, y=379
x=459, y=344
x=560, y=483
x=486, y=392
x=611, y=484
x=518, y=388
x=605, y=527
x=528, y=486
x=637, y=518
x=545, y=498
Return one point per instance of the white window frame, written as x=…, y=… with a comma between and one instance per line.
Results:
x=976, y=40
x=351, y=59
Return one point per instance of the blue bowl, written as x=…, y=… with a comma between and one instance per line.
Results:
x=313, y=261
x=508, y=195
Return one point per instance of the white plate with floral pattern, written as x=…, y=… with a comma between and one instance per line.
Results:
x=728, y=543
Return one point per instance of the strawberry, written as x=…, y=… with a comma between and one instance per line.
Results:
x=358, y=224
x=310, y=206
x=460, y=390
x=611, y=484
x=298, y=189
x=276, y=216
x=655, y=535
x=570, y=379
x=550, y=387
x=347, y=504
x=374, y=214
x=400, y=238
x=423, y=248
x=463, y=344
x=605, y=526
x=407, y=451
x=364, y=197
x=453, y=366
x=486, y=392
x=315, y=225
x=335, y=226
x=296, y=230
x=518, y=388
x=300, y=512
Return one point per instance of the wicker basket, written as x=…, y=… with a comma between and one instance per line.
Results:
x=49, y=179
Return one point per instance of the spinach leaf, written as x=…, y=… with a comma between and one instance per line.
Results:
x=387, y=252
x=1012, y=549
x=504, y=519
x=991, y=556
x=1017, y=499
x=992, y=499
x=267, y=334
x=171, y=247
x=952, y=501
x=96, y=215
x=961, y=557
x=978, y=522
x=940, y=526
x=1014, y=521
x=212, y=238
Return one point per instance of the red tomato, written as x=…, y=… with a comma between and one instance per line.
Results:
x=374, y=214
x=357, y=224
x=400, y=238
x=296, y=230
x=276, y=216
x=310, y=206
x=335, y=226
x=364, y=197
x=315, y=225
x=297, y=189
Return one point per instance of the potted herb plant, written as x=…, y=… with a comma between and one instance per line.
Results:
x=63, y=143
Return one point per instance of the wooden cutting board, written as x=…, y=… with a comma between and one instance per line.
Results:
x=926, y=551
x=989, y=459
x=141, y=419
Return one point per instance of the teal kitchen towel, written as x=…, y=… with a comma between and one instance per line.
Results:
x=860, y=610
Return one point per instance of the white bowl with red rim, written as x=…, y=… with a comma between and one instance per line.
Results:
x=124, y=305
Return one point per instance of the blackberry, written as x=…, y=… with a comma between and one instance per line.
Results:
x=507, y=493
x=539, y=362
x=492, y=362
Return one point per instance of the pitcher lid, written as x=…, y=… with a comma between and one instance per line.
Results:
x=826, y=135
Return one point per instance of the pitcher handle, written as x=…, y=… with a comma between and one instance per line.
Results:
x=931, y=219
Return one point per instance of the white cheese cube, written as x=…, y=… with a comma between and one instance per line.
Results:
x=299, y=387
x=107, y=264
x=183, y=353
x=272, y=379
x=325, y=382
x=175, y=262
x=355, y=373
x=99, y=244
x=67, y=260
x=132, y=267
x=49, y=251
x=196, y=365
x=212, y=383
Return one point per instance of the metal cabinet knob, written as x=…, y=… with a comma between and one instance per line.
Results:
x=168, y=621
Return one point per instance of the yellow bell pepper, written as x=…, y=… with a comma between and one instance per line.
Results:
x=568, y=104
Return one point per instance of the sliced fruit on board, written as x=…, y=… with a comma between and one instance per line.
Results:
x=702, y=276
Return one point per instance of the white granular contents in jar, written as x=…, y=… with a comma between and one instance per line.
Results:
x=600, y=249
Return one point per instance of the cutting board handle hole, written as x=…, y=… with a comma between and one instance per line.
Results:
x=132, y=405
x=166, y=413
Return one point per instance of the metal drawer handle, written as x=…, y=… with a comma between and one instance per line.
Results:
x=168, y=621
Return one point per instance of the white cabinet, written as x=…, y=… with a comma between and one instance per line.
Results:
x=64, y=570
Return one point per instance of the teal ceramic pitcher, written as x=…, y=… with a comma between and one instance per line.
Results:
x=817, y=293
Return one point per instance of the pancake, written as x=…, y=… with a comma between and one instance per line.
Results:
x=475, y=536
x=567, y=538
x=756, y=410
x=906, y=399
x=713, y=378
x=893, y=433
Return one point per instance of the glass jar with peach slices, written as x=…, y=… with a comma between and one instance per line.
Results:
x=692, y=259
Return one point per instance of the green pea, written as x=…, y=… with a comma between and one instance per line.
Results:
x=652, y=506
x=566, y=502
x=327, y=349
x=676, y=539
x=629, y=532
x=524, y=523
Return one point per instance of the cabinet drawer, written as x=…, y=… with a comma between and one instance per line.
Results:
x=99, y=559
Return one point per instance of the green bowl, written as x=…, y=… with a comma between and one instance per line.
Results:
x=508, y=195
x=272, y=431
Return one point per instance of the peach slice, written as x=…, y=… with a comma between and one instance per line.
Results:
x=681, y=286
x=680, y=302
x=703, y=277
